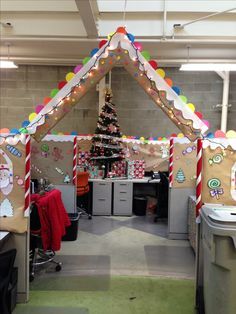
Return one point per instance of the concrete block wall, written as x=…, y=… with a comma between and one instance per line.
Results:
x=25, y=87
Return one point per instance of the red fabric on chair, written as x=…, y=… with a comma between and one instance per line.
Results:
x=53, y=218
x=82, y=183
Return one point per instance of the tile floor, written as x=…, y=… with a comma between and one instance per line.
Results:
x=126, y=246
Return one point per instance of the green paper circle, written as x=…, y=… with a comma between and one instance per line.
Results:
x=146, y=55
x=23, y=131
x=85, y=60
x=54, y=92
x=184, y=99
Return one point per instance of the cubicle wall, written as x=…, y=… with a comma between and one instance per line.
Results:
x=55, y=159
x=183, y=184
x=219, y=171
x=14, y=203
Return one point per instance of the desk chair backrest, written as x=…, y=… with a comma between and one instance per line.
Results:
x=82, y=183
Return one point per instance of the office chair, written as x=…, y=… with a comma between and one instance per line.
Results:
x=7, y=260
x=82, y=194
x=38, y=257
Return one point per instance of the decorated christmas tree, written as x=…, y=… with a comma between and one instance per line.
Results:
x=105, y=143
x=180, y=177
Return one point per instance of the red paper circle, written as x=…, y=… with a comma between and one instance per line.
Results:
x=154, y=64
x=61, y=84
x=102, y=43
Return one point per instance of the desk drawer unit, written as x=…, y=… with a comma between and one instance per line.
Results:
x=123, y=197
x=102, y=198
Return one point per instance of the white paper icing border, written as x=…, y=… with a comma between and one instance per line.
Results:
x=12, y=139
x=214, y=143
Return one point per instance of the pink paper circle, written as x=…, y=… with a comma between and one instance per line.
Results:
x=78, y=68
x=138, y=46
x=219, y=134
x=207, y=123
x=39, y=108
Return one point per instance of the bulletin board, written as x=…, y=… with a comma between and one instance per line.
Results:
x=13, y=197
x=219, y=172
x=155, y=155
x=184, y=164
x=52, y=159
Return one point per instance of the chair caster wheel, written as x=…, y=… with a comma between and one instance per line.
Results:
x=90, y=217
x=58, y=267
x=31, y=277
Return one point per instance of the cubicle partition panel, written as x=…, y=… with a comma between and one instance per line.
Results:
x=14, y=203
x=54, y=159
x=14, y=183
x=183, y=182
x=219, y=171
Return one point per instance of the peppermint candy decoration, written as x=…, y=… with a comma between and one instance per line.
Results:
x=214, y=183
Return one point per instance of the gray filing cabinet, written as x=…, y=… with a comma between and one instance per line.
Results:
x=123, y=197
x=102, y=197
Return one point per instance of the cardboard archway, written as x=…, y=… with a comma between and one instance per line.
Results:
x=118, y=50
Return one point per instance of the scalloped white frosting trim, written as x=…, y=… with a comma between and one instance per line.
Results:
x=59, y=138
x=219, y=142
x=13, y=139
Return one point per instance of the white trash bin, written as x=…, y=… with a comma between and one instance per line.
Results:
x=218, y=236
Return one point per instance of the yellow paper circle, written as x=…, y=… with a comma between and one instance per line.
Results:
x=180, y=135
x=191, y=107
x=32, y=116
x=69, y=76
x=142, y=138
x=161, y=72
x=109, y=36
x=231, y=134
x=60, y=133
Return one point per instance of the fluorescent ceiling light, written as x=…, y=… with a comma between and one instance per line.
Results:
x=208, y=67
x=7, y=64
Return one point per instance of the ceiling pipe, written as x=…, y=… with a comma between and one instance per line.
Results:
x=74, y=61
x=181, y=26
x=164, y=19
x=140, y=39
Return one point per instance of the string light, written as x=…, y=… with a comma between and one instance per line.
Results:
x=96, y=58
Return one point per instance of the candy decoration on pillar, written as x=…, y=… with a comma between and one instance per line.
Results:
x=199, y=177
x=171, y=162
x=75, y=161
x=27, y=176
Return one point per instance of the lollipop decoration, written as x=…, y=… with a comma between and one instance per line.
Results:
x=214, y=184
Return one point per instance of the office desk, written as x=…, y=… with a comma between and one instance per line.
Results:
x=115, y=196
x=4, y=235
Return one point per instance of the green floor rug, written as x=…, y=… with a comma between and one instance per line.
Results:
x=126, y=295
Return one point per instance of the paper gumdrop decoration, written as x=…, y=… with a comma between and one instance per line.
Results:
x=121, y=30
x=180, y=177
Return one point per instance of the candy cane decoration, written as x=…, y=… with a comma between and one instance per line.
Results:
x=171, y=159
x=199, y=177
x=27, y=176
x=75, y=161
